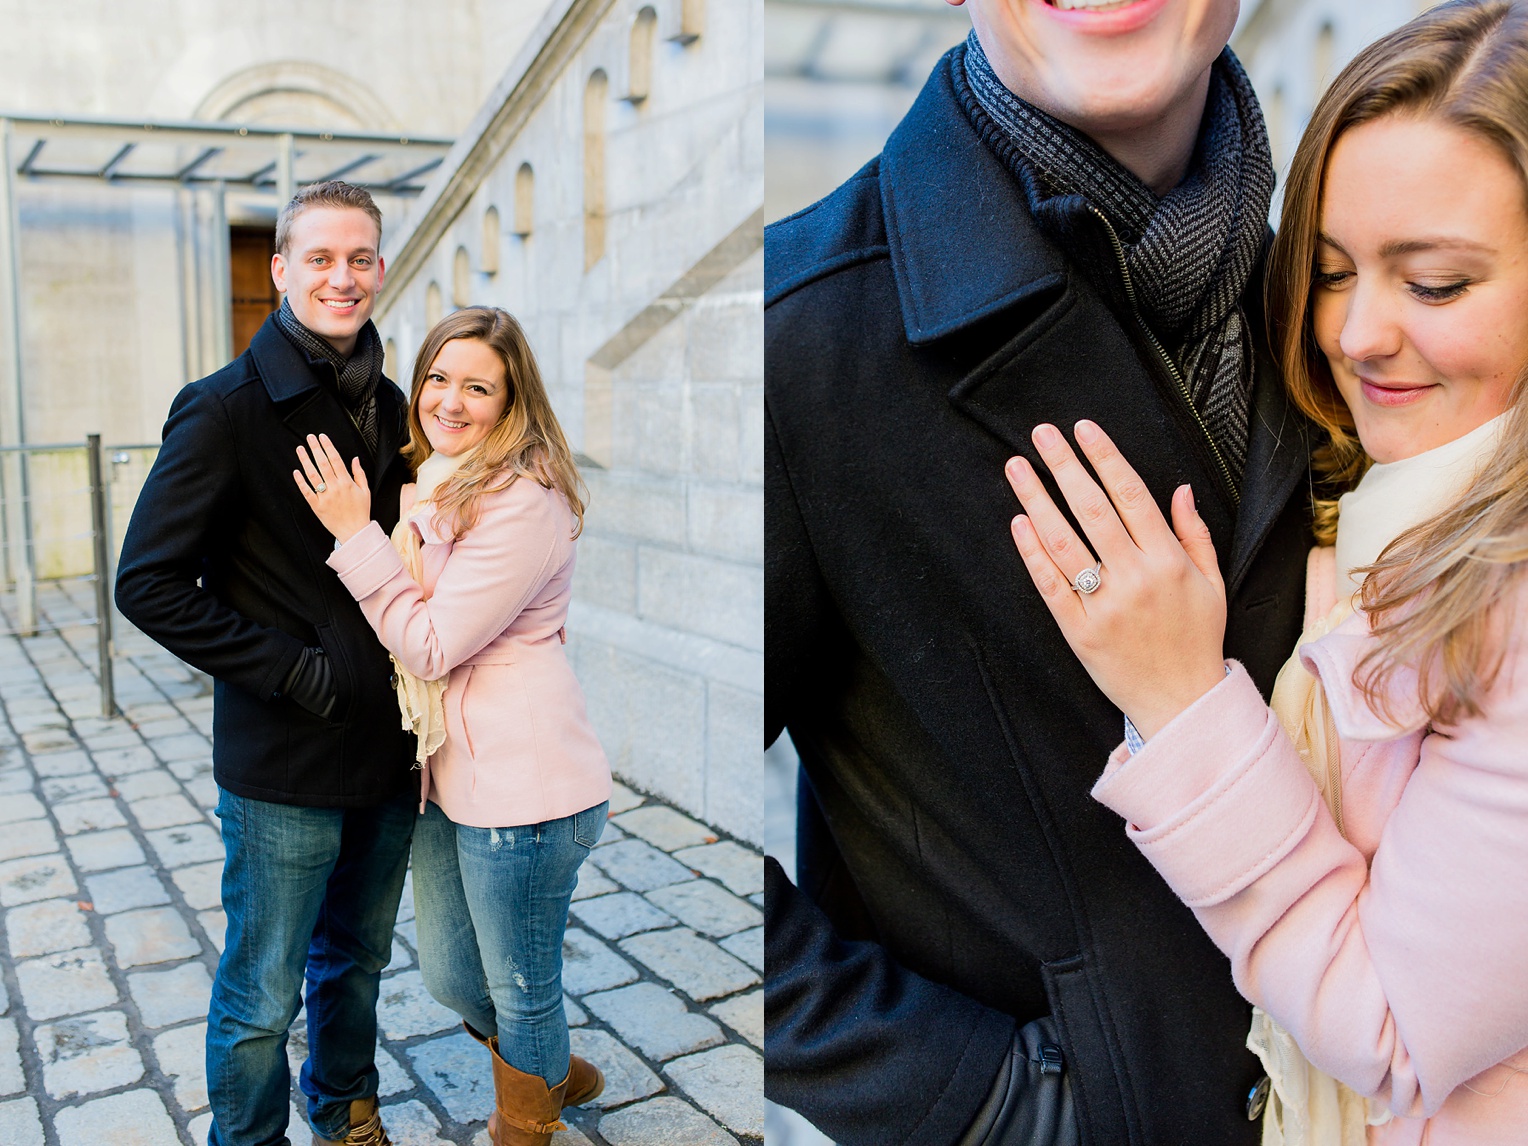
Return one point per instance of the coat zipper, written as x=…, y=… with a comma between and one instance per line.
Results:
x=1172, y=368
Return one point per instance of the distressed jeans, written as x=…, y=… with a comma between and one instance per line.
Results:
x=491, y=906
x=308, y=892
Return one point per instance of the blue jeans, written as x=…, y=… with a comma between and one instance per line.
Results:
x=491, y=906
x=312, y=889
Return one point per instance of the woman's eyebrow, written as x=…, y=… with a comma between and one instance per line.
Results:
x=1397, y=247
x=1444, y=242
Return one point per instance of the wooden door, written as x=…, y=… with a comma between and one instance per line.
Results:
x=254, y=294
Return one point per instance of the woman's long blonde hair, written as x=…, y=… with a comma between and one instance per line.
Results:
x=527, y=440
x=1437, y=593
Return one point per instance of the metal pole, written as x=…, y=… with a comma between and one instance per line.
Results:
x=102, y=578
x=222, y=311
x=286, y=160
x=18, y=520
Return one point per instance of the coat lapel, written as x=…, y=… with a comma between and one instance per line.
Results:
x=1278, y=460
x=965, y=249
x=391, y=431
x=1074, y=361
x=304, y=405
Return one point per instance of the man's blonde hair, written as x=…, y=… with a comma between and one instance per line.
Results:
x=330, y=193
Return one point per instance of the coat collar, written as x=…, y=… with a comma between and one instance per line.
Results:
x=964, y=247
x=283, y=368
x=310, y=407
x=963, y=243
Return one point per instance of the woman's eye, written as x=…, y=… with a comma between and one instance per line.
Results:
x=1429, y=293
x=1330, y=278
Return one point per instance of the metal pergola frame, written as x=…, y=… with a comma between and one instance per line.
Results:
x=272, y=154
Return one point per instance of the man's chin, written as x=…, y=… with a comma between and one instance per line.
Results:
x=338, y=327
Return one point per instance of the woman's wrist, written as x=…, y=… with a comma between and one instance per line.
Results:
x=344, y=532
x=1163, y=707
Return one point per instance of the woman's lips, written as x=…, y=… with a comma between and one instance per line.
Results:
x=1393, y=394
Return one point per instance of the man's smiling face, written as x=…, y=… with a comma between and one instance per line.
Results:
x=331, y=272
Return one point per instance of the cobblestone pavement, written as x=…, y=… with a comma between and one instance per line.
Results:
x=110, y=861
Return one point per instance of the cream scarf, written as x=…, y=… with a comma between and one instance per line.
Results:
x=419, y=701
x=1307, y=1107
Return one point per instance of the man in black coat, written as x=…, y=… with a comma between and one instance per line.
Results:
x=223, y=564
x=1068, y=224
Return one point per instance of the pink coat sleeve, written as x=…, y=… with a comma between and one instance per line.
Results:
x=1403, y=979
x=494, y=570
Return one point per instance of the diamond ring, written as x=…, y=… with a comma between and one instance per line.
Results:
x=320, y=487
x=1088, y=580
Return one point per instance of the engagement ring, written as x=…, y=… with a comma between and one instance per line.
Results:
x=320, y=487
x=1088, y=580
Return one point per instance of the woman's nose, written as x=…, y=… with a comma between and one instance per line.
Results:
x=1371, y=327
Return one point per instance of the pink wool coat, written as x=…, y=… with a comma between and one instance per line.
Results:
x=1398, y=957
x=489, y=617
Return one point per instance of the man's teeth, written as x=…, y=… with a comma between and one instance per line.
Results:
x=340, y=303
x=1092, y=5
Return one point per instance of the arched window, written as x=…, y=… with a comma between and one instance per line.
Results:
x=639, y=67
x=525, y=199
x=692, y=20
x=461, y=279
x=594, y=168
x=491, y=241
x=432, y=306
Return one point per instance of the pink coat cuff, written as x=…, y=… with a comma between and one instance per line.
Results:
x=366, y=562
x=1216, y=797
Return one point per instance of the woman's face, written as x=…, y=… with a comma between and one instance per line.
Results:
x=463, y=396
x=1420, y=298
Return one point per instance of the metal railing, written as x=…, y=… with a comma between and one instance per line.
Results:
x=19, y=544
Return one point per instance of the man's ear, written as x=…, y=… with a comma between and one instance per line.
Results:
x=278, y=271
x=382, y=267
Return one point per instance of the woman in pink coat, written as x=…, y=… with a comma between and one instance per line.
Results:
x=470, y=596
x=1359, y=850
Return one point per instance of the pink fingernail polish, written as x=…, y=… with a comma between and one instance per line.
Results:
x=1046, y=435
x=1086, y=431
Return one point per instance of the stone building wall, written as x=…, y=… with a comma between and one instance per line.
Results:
x=122, y=285
x=637, y=272
x=1292, y=49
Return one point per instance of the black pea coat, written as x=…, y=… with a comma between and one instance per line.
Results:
x=220, y=507
x=956, y=877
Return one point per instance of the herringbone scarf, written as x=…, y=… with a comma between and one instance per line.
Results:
x=356, y=376
x=1189, y=254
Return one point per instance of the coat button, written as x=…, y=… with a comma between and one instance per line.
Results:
x=1257, y=1098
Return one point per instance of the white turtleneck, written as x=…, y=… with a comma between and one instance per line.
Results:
x=1395, y=496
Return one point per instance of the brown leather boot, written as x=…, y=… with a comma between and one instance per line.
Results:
x=585, y=1081
x=527, y=1111
x=365, y=1127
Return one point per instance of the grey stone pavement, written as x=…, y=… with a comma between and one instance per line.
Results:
x=110, y=929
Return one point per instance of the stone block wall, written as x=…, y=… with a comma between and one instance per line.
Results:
x=653, y=356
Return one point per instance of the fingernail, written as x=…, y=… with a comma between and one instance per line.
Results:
x=1018, y=469
x=1086, y=431
x=1019, y=524
x=1046, y=435
x=1190, y=495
